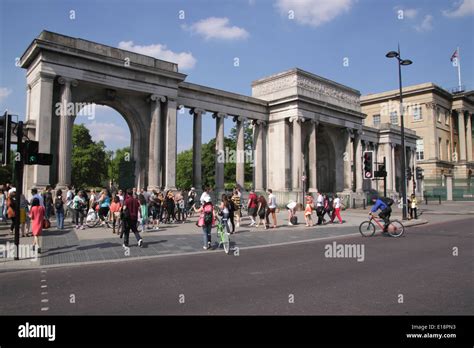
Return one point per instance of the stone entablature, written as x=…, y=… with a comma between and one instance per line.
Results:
x=301, y=83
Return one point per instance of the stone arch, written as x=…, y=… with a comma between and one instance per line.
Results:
x=325, y=161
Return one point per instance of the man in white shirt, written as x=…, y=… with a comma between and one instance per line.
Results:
x=272, y=205
x=320, y=207
x=35, y=194
x=205, y=195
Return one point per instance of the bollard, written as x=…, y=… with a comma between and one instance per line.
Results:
x=426, y=200
x=363, y=202
x=353, y=203
x=439, y=199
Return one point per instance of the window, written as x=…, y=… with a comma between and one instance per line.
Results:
x=363, y=121
x=438, y=115
x=448, y=151
x=417, y=113
x=447, y=118
x=393, y=117
x=440, y=142
x=420, y=150
x=376, y=120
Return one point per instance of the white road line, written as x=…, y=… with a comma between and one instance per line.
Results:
x=43, y=280
x=44, y=293
x=44, y=300
x=44, y=309
x=43, y=286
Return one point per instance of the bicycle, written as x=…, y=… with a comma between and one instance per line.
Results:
x=223, y=236
x=367, y=228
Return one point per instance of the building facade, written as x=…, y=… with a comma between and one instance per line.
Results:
x=443, y=123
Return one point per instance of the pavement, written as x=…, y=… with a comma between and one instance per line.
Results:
x=419, y=274
x=98, y=245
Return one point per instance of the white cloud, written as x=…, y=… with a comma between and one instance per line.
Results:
x=465, y=8
x=426, y=24
x=314, y=12
x=4, y=93
x=185, y=60
x=217, y=28
x=108, y=132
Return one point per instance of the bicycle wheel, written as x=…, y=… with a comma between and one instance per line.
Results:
x=225, y=242
x=396, y=228
x=367, y=229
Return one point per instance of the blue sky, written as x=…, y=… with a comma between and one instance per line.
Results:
x=267, y=36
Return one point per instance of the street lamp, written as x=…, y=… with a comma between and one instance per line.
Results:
x=396, y=54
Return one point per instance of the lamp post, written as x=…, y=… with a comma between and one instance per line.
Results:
x=396, y=54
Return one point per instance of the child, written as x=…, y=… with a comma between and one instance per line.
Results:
x=309, y=210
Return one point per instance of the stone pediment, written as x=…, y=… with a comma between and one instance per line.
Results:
x=300, y=83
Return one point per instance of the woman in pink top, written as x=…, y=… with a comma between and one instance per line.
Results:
x=37, y=216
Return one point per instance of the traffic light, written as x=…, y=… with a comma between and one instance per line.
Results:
x=33, y=156
x=5, y=137
x=419, y=173
x=368, y=165
x=409, y=173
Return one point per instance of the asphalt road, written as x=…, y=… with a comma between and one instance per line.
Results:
x=419, y=267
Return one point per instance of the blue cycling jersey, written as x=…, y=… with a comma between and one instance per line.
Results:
x=379, y=204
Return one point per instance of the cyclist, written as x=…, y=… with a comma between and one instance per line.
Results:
x=384, y=204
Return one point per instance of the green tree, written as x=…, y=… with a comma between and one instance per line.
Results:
x=184, y=169
x=6, y=173
x=89, y=159
x=248, y=145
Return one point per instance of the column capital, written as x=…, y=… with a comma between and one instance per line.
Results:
x=348, y=131
x=296, y=119
x=66, y=80
x=219, y=115
x=156, y=98
x=460, y=112
x=239, y=118
x=196, y=111
x=259, y=123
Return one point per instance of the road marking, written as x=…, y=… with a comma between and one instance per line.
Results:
x=44, y=293
x=44, y=300
x=43, y=280
x=43, y=309
x=43, y=286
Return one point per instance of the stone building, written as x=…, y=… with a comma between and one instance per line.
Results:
x=443, y=122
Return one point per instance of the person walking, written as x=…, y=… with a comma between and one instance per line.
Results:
x=37, y=215
x=3, y=200
x=143, y=212
x=252, y=205
x=24, y=220
x=413, y=207
x=191, y=200
x=170, y=205
x=115, y=208
x=320, y=208
x=79, y=207
x=130, y=219
x=69, y=203
x=261, y=210
x=225, y=211
x=207, y=220
x=237, y=205
x=104, y=206
x=59, y=206
x=11, y=210
x=308, y=211
x=272, y=206
x=337, y=205
x=48, y=202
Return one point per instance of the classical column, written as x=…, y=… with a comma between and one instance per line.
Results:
x=313, y=179
x=220, y=154
x=197, y=144
x=154, y=155
x=296, y=153
x=394, y=168
x=462, y=135
x=171, y=145
x=259, y=162
x=469, y=137
x=65, y=133
x=346, y=157
x=358, y=161
x=389, y=166
x=240, y=158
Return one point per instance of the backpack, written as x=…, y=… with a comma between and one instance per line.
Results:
x=207, y=214
x=387, y=201
x=294, y=220
x=58, y=204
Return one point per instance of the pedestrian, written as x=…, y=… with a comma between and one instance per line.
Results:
x=320, y=208
x=59, y=206
x=130, y=218
x=35, y=194
x=115, y=208
x=272, y=206
x=206, y=193
x=328, y=206
x=69, y=203
x=308, y=211
x=143, y=212
x=252, y=205
x=170, y=205
x=261, y=210
x=179, y=206
x=238, y=206
x=24, y=221
x=207, y=219
x=37, y=215
x=79, y=205
x=104, y=206
x=48, y=202
x=291, y=208
x=231, y=212
x=337, y=205
x=11, y=209
x=225, y=208
x=3, y=200
x=191, y=200
x=413, y=207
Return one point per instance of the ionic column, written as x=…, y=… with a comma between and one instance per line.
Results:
x=240, y=165
x=65, y=133
x=462, y=135
x=154, y=156
x=346, y=157
x=358, y=162
x=394, y=168
x=171, y=145
x=259, y=162
x=313, y=180
x=469, y=137
x=389, y=166
x=219, y=151
x=197, y=144
x=296, y=153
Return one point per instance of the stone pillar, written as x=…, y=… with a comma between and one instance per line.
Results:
x=449, y=187
x=389, y=166
x=197, y=144
x=65, y=133
x=346, y=157
x=154, y=155
x=462, y=135
x=240, y=158
x=469, y=137
x=41, y=110
x=220, y=155
x=171, y=145
x=296, y=164
x=358, y=162
x=394, y=169
x=259, y=161
x=312, y=154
